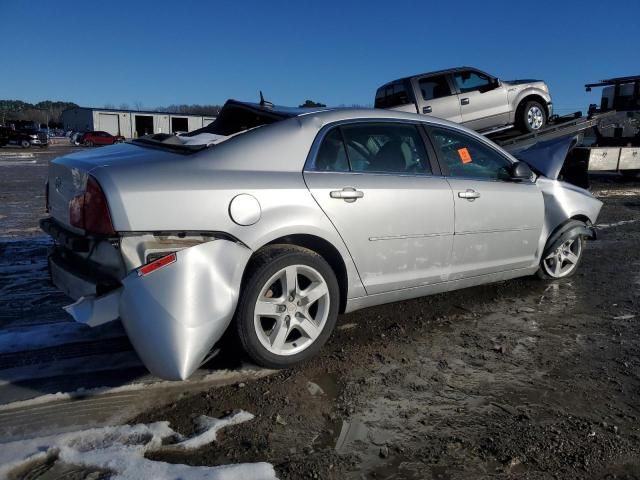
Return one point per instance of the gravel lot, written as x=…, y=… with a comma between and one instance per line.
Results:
x=520, y=379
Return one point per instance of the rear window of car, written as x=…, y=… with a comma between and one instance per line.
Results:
x=392, y=95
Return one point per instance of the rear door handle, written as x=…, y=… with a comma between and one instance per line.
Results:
x=348, y=194
x=469, y=194
x=464, y=101
x=427, y=109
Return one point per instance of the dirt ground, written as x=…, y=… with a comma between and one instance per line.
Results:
x=520, y=379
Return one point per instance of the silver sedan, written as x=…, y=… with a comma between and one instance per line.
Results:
x=272, y=221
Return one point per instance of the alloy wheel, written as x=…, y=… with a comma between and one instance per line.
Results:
x=564, y=259
x=535, y=117
x=291, y=309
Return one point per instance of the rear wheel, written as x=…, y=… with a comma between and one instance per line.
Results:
x=531, y=116
x=563, y=261
x=288, y=307
x=88, y=143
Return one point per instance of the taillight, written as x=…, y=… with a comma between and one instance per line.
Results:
x=156, y=264
x=89, y=210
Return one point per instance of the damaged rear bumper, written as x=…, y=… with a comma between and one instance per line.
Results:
x=172, y=316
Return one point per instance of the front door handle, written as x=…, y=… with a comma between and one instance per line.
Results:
x=348, y=194
x=464, y=101
x=427, y=109
x=469, y=194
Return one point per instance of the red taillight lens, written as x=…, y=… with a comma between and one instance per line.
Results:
x=156, y=264
x=90, y=211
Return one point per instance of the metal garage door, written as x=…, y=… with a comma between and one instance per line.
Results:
x=109, y=122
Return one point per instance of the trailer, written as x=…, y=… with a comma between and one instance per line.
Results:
x=606, y=140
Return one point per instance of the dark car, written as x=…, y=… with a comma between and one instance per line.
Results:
x=90, y=139
x=26, y=137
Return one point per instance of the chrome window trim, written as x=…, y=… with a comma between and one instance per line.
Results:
x=322, y=133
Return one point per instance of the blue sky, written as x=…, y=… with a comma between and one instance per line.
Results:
x=162, y=52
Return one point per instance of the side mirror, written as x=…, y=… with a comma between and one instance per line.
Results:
x=521, y=171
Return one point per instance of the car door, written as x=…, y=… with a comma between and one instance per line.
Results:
x=498, y=221
x=483, y=100
x=435, y=96
x=375, y=182
x=105, y=138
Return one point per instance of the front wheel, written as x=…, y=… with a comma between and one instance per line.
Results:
x=563, y=261
x=288, y=307
x=88, y=143
x=532, y=117
x=25, y=143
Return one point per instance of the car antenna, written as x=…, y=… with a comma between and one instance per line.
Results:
x=265, y=103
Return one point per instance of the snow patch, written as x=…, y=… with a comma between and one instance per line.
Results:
x=121, y=450
x=615, y=224
x=217, y=376
x=33, y=337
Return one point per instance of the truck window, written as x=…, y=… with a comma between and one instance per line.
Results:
x=434, y=87
x=392, y=95
x=468, y=81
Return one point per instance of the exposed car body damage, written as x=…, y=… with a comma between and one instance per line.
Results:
x=189, y=219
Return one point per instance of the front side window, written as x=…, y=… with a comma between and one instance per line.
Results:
x=468, y=81
x=373, y=148
x=434, y=87
x=467, y=157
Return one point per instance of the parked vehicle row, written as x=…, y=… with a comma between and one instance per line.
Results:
x=94, y=138
x=272, y=221
x=26, y=137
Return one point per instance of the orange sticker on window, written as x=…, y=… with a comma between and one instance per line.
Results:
x=465, y=156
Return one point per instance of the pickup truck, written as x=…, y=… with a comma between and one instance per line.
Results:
x=23, y=137
x=471, y=97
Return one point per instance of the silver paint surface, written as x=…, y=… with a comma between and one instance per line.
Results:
x=407, y=236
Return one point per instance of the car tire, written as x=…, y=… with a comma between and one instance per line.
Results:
x=531, y=117
x=88, y=143
x=559, y=264
x=25, y=143
x=276, y=326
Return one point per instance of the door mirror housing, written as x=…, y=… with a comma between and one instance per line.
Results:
x=521, y=171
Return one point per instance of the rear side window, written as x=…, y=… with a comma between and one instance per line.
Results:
x=332, y=156
x=392, y=95
x=434, y=87
x=374, y=148
x=467, y=157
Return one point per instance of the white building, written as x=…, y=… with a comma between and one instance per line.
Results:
x=131, y=123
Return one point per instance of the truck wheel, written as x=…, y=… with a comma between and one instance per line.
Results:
x=288, y=306
x=531, y=117
x=25, y=143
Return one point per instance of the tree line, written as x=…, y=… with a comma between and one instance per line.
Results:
x=41, y=112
